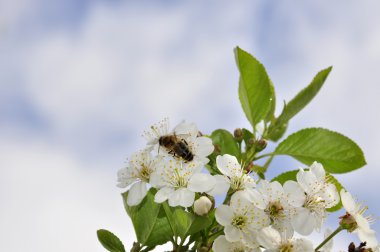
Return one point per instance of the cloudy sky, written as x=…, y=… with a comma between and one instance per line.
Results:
x=81, y=80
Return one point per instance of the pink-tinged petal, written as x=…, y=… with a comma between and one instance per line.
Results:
x=203, y=146
x=221, y=244
x=221, y=186
x=303, y=222
x=227, y=164
x=201, y=182
x=182, y=197
x=318, y=170
x=137, y=193
x=232, y=233
x=294, y=193
x=348, y=202
x=163, y=194
x=269, y=238
x=224, y=215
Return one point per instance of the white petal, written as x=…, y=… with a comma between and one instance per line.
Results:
x=303, y=245
x=362, y=222
x=318, y=170
x=221, y=244
x=369, y=237
x=137, y=193
x=307, y=181
x=156, y=179
x=269, y=238
x=203, y=146
x=329, y=245
x=182, y=197
x=227, y=164
x=257, y=199
x=303, y=222
x=163, y=194
x=330, y=195
x=184, y=128
x=294, y=193
x=201, y=182
x=221, y=186
x=224, y=215
x=348, y=202
x=232, y=233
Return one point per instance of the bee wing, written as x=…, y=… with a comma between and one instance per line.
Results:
x=184, y=129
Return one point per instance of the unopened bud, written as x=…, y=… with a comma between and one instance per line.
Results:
x=251, y=141
x=202, y=205
x=238, y=134
x=261, y=145
x=217, y=149
x=203, y=249
x=248, y=168
x=348, y=222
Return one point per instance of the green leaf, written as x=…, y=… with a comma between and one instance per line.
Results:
x=270, y=116
x=149, y=221
x=226, y=142
x=184, y=223
x=291, y=175
x=277, y=130
x=255, y=91
x=336, y=152
x=304, y=97
x=110, y=241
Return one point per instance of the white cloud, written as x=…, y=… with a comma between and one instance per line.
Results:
x=128, y=62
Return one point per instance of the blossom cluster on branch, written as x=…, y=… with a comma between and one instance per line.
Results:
x=208, y=192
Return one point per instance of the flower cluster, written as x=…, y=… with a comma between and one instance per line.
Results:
x=172, y=162
x=256, y=213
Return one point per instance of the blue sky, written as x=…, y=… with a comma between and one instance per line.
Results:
x=81, y=80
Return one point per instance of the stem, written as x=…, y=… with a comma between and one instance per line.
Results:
x=265, y=155
x=267, y=163
x=329, y=237
x=216, y=233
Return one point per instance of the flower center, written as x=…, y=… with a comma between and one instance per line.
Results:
x=238, y=250
x=239, y=221
x=314, y=203
x=145, y=172
x=275, y=209
x=286, y=247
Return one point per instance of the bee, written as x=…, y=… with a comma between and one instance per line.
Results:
x=176, y=146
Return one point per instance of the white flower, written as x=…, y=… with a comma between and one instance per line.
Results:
x=240, y=219
x=178, y=181
x=156, y=131
x=329, y=245
x=361, y=224
x=222, y=245
x=202, y=205
x=186, y=135
x=234, y=175
x=271, y=239
x=137, y=174
x=271, y=197
x=312, y=196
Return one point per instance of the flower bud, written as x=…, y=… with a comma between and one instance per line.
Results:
x=202, y=205
x=238, y=134
x=348, y=222
x=261, y=145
